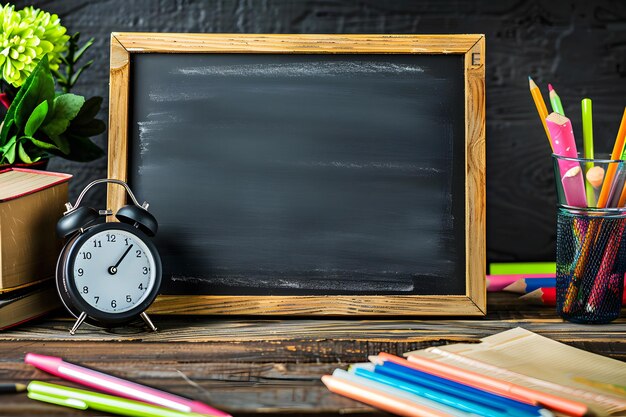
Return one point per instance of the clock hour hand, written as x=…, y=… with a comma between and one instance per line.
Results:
x=113, y=269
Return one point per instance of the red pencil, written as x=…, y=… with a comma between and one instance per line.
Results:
x=547, y=296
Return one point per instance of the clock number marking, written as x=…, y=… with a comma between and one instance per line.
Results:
x=80, y=271
x=138, y=252
x=140, y=286
x=129, y=299
x=126, y=240
x=97, y=299
x=86, y=255
x=85, y=289
x=97, y=243
x=145, y=270
x=113, y=303
x=110, y=237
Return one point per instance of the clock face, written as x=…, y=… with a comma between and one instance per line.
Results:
x=113, y=271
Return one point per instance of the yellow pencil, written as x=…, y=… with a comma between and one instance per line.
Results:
x=541, y=107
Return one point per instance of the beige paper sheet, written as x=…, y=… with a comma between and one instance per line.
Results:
x=540, y=363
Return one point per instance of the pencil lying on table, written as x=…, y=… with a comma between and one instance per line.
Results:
x=12, y=388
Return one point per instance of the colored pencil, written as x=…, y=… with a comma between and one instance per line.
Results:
x=540, y=104
x=555, y=101
x=394, y=391
x=508, y=268
x=618, y=149
x=467, y=405
x=588, y=150
x=524, y=286
x=12, y=388
x=547, y=297
x=392, y=404
x=499, y=282
x=621, y=138
x=617, y=186
x=460, y=390
x=490, y=384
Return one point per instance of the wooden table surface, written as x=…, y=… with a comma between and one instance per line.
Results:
x=269, y=366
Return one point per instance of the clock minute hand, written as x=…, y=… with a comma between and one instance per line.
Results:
x=113, y=269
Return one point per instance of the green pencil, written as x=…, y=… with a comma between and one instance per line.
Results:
x=588, y=149
x=555, y=101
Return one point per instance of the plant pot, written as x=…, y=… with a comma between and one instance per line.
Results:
x=41, y=165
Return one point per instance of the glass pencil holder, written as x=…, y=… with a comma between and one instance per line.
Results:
x=590, y=238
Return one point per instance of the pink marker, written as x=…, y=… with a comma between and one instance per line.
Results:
x=564, y=144
x=117, y=386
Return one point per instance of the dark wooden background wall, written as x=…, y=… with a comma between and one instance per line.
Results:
x=577, y=45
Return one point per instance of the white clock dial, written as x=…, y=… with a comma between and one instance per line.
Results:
x=114, y=271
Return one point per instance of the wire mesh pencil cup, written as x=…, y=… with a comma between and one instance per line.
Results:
x=591, y=238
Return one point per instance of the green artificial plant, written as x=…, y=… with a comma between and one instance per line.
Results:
x=40, y=122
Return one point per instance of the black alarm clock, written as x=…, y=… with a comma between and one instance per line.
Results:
x=108, y=273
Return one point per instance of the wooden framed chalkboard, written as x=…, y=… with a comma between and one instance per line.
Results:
x=306, y=174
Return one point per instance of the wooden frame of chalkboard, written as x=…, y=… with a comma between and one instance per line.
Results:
x=471, y=48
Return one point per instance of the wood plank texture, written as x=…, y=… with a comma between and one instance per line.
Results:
x=270, y=367
x=475, y=179
x=118, y=122
x=252, y=367
x=294, y=43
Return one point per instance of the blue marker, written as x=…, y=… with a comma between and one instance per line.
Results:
x=466, y=392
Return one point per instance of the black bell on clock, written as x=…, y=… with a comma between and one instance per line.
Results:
x=108, y=274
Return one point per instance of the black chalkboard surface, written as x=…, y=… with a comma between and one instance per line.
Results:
x=276, y=174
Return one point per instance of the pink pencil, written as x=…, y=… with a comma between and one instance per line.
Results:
x=498, y=282
x=117, y=386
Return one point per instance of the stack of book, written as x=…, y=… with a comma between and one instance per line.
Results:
x=31, y=202
x=513, y=373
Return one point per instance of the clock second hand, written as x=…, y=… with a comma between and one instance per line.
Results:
x=113, y=269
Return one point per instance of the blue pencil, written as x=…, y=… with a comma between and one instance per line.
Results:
x=461, y=390
x=454, y=401
x=526, y=285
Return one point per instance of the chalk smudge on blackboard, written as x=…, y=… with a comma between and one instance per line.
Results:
x=308, y=283
x=320, y=69
x=391, y=166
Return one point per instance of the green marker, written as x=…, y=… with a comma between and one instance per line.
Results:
x=509, y=268
x=588, y=149
x=83, y=400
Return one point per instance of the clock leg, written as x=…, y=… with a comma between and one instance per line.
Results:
x=79, y=321
x=145, y=318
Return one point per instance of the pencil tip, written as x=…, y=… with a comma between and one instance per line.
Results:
x=20, y=387
x=529, y=79
x=550, y=87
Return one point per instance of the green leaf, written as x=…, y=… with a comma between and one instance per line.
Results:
x=41, y=88
x=22, y=153
x=40, y=143
x=66, y=108
x=83, y=149
x=9, y=118
x=78, y=54
x=93, y=128
x=89, y=110
x=80, y=71
x=36, y=118
x=7, y=126
x=8, y=150
x=62, y=143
